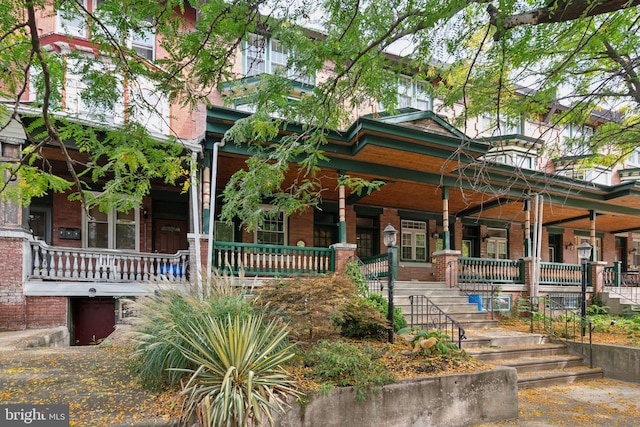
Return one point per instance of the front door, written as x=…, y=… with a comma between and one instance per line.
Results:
x=93, y=319
x=170, y=236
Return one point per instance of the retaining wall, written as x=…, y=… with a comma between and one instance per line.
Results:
x=617, y=362
x=451, y=400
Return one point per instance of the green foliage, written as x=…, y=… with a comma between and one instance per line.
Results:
x=381, y=303
x=341, y=364
x=352, y=270
x=431, y=342
x=361, y=319
x=161, y=315
x=238, y=377
x=307, y=303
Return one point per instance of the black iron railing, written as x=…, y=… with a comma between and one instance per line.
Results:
x=560, y=319
x=425, y=314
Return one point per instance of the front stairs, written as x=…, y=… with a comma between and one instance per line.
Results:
x=449, y=300
x=538, y=360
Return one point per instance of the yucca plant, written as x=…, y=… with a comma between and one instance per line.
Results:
x=239, y=379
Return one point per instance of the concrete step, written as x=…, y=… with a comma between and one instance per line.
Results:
x=548, y=363
x=559, y=376
x=517, y=352
x=476, y=339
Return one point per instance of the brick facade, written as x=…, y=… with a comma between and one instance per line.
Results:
x=13, y=313
x=301, y=228
x=46, y=312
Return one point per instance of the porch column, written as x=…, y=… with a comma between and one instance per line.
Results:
x=447, y=267
x=14, y=245
x=527, y=228
x=342, y=221
x=344, y=253
x=592, y=218
x=445, y=219
x=597, y=276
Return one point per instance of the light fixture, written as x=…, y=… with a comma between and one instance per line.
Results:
x=485, y=237
x=92, y=292
x=584, y=251
x=569, y=246
x=632, y=250
x=435, y=235
x=389, y=236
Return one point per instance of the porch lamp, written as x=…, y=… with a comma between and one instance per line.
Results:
x=584, y=253
x=389, y=236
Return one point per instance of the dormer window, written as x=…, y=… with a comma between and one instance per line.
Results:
x=489, y=126
x=573, y=134
x=413, y=93
x=595, y=175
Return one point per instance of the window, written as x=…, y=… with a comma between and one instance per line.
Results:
x=413, y=93
x=496, y=239
x=489, y=126
x=634, y=158
x=273, y=231
x=499, y=303
x=636, y=254
x=594, y=175
x=414, y=240
x=578, y=240
x=74, y=104
x=572, y=137
x=69, y=21
x=112, y=230
x=152, y=109
x=142, y=41
x=266, y=55
x=325, y=229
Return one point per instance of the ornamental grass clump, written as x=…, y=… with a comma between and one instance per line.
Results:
x=238, y=379
x=157, y=358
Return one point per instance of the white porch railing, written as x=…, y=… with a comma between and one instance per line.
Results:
x=58, y=263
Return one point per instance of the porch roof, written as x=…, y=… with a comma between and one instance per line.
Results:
x=417, y=153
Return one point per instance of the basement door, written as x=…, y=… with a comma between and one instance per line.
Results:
x=93, y=319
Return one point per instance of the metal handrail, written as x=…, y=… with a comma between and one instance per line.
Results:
x=374, y=283
x=433, y=317
x=545, y=313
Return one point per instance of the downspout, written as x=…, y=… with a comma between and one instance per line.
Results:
x=212, y=203
x=196, y=221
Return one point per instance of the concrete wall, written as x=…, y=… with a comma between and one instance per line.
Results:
x=449, y=400
x=617, y=362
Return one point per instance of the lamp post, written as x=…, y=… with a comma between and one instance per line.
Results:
x=584, y=253
x=389, y=236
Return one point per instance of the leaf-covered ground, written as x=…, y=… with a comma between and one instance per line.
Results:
x=95, y=381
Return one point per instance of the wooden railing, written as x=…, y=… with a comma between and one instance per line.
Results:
x=490, y=270
x=272, y=260
x=377, y=265
x=553, y=273
x=72, y=264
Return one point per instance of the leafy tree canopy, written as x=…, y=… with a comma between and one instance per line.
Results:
x=581, y=54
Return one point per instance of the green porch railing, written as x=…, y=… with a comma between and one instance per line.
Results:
x=613, y=275
x=272, y=260
x=555, y=273
x=490, y=270
x=377, y=265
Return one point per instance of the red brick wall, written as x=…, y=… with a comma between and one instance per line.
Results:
x=516, y=241
x=350, y=219
x=609, y=248
x=46, y=312
x=66, y=214
x=12, y=300
x=301, y=228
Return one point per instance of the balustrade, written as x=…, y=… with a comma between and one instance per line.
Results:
x=57, y=263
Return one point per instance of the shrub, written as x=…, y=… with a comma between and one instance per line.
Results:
x=307, y=302
x=342, y=364
x=157, y=356
x=382, y=305
x=239, y=379
x=360, y=319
